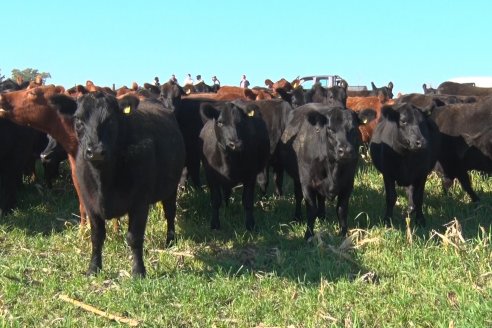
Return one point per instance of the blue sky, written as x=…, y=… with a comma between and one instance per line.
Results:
x=406, y=42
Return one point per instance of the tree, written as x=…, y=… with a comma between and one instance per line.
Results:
x=29, y=74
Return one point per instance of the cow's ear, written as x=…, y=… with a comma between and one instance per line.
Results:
x=344, y=84
x=128, y=104
x=390, y=86
x=64, y=104
x=316, y=118
x=208, y=112
x=390, y=113
x=81, y=89
x=366, y=115
x=427, y=111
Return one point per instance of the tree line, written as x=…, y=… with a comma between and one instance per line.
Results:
x=28, y=74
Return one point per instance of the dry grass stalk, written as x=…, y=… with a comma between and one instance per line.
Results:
x=357, y=239
x=89, y=308
x=409, y=232
x=452, y=236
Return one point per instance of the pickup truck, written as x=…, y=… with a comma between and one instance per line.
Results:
x=327, y=81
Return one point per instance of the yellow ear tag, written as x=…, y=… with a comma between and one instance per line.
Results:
x=251, y=113
x=364, y=121
x=188, y=91
x=127, y=110
x=294, y=85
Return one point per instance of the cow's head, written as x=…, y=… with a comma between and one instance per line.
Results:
x=230, y=121
x=53, y=152
x=387, y=92
x=171, y=94
x=338, y=133
x=30, y=106
x=97, y=122
x=412, y=126
x=337, y=95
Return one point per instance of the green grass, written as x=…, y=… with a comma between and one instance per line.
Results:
x=379, y=277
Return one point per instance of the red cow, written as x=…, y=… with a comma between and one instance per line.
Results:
x=358, y=104
x=33, y=107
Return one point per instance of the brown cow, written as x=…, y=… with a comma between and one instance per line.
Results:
x=33, y=107
x=358, y=104
x=227, y=93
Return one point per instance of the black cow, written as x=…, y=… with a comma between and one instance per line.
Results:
x=130, y=155
x=275, y=113
x=319, y=150
x=190, y=123
x=466, y=142
x=404, y=149
x=51, y=157
x=16, y=149
x=235, y=149
x=427, y=102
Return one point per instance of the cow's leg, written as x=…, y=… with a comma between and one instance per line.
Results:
x=321, y=208
x=418, y=200
x=137, y=220
x=226, y=193
x=342, y=210
x=215, y=201
x=411, y=204
x=465, y=182
x=390, y=193
x=83, y=214
x=278, y=178
x=298, y=199
x=311, y=210
x=98, y=235
x=169, y=205
x=9, y=183
x=248, y=203
x=262, y=180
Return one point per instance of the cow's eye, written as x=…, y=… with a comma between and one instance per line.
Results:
x=403, y=122
x=220, y=124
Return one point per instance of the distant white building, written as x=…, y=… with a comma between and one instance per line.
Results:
x=480, y=81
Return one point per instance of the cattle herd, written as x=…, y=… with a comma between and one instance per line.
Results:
x=132, y=147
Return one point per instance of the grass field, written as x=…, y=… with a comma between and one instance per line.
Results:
x=438, y=276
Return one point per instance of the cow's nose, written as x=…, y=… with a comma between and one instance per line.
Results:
x=89, y=153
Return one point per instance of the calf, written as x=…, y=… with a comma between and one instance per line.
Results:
x=131, y=155
x=404, y=149
x=235, y=148
x=319, y=149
